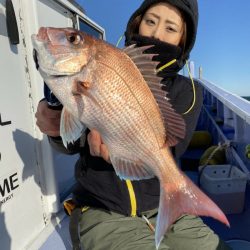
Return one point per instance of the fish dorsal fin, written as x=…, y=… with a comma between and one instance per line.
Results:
x=174, y=123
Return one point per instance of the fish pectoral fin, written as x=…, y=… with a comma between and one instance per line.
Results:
x=80, y=87
x=132, y=169
x=71, y=128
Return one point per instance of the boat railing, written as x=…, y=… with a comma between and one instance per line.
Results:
x=229, y=115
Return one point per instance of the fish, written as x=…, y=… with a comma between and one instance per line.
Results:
x=118, y=93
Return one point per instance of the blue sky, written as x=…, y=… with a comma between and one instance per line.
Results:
x=223, y=41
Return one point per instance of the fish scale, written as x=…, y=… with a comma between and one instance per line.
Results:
x=134, y=93
x=101, y=87
x=119, y=112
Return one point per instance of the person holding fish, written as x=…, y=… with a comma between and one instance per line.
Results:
x=132, y=193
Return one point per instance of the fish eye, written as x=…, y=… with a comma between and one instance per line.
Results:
x=74, y=39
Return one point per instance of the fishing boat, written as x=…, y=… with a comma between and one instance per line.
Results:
x=35, y=179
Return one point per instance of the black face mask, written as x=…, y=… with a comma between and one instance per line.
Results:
x=166, y=53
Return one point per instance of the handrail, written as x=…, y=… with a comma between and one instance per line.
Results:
x=224, y=138
x=234, y=102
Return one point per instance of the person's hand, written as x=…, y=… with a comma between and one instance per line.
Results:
x=48, y=120
x=96, y=146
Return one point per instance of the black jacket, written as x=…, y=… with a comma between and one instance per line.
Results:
x=97, y=184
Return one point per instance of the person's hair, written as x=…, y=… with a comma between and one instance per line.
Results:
x=134, y=26
x=134, y=29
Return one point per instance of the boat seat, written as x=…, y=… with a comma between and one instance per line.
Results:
x=200, y=141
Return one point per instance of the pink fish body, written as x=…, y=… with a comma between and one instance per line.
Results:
x=118, y=93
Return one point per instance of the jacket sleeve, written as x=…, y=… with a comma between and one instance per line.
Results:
x=181, y=97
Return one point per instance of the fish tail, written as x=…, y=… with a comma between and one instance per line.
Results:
x=183, y=198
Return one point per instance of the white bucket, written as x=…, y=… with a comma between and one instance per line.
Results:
x=225, y=185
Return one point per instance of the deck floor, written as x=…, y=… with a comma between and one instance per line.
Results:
x=240, y=223
x=60, y=238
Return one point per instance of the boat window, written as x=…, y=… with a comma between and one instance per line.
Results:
x=86, y=27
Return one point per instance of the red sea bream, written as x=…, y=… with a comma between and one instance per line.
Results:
x=118, y=93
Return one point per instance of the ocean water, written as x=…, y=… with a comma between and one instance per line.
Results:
x=247, y=98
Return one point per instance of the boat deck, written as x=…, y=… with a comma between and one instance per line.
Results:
x=59, y=238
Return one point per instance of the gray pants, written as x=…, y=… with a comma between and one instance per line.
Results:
x=103, y=230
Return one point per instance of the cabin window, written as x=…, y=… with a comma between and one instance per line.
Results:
x=86, y=27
